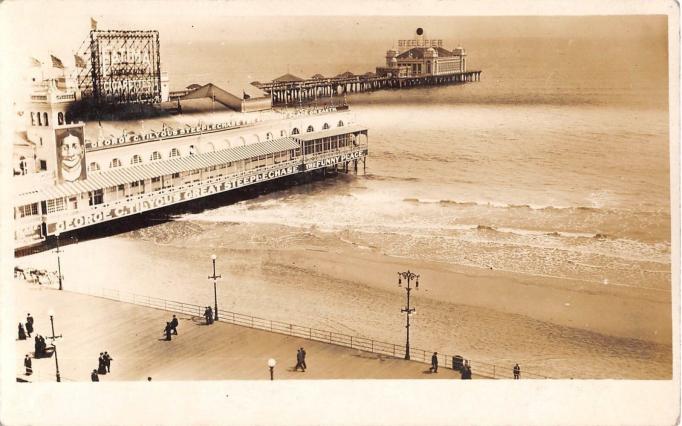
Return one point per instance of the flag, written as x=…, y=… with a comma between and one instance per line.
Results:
x=80, y=62
x=35, y=62
x=93, y=24
x=56, y=62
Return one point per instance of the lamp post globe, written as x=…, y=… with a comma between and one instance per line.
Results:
x=271, y=363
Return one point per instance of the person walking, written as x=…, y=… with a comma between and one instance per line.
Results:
x=167, y=330
x=22, y=333
x=29, y=324
x=434, y=362
x=517, y=372
x=28, y=365
x=101, y=365
x=107, y=361
x=208, y=316
x=174, y=325
x=93, y=376
x=299, y=361
x=303, y=364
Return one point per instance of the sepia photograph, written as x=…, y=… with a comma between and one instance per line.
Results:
x=264, y=201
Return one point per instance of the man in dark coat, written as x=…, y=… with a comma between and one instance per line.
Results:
x=101, y=365
x=29, y=324
x=167, y=330
x=208, y=316
x=303, y=359
x=299, y=361
x=174, y=325
x=22, y=333
x=93, y=376
x=107, y=361
x=517, y=372
x=27, y=364
x=434, y=362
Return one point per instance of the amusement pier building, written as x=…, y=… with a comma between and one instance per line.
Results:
x=71, y=174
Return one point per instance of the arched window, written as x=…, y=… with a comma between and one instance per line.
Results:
x=192, y=150
x=294, y=131
x=256, y=138
x=93, y=167
x=156, y=155
x=115, y=163
x=228, y=143
x=210, y=147
x=310, y=129
x=243, y=141
x=47, y=123
x=325, y=126
x=340, y=124
x=33, y=119
x=136, y=159
x=40, y=120
x=268, y=136
x=60, y=118
x=69, y=118
x=174, y=153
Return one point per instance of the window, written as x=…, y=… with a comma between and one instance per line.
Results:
x=33, y=118
x=268, y=136
x=310, y=129
x=282, y=133
x=136, y=159
x=28, y=210
x=60, y=118
x=174, y=153
x=45, y=119
x=156, y=179
x=135, y=184
x=43, y=165
x=175, y=175
x=40, y=121
x=55, y=205
x=96, y=197
x=121, y=187
x=94, y=167
x=115, y=163
x=156, y=155
x=340, y=124
x=294, y=131
x=192, y=150
x=325, y=126
x=210, y=147
x=69, y=119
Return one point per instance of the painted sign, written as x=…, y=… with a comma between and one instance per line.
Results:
x=330, y=161
x=163, y=134
x=155, y=201
x=70, y=154
x=408, y=44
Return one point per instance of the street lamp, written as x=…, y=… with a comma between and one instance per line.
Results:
x=59, y=264
x=409, y=276
x=215, y=291
x=54, y=348
x=271, y=364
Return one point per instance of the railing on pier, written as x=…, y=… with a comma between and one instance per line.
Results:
x=393, y=350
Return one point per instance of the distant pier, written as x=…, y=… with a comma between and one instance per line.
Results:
x=285, y=91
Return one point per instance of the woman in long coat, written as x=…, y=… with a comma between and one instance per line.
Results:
x=22, y=333
x=27, y=364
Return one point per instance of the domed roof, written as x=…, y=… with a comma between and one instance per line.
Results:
x=394, y=60
x=430, y=53
x=391, y=53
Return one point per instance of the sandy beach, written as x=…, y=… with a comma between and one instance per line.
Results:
x=560, y=328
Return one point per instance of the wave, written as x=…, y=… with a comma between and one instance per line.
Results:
x=371, y=176
x=505, y=205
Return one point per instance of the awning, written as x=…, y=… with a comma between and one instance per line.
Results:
x=122, y=175
x=335, y=131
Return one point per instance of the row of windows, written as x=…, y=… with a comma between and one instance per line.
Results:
x=41, y=119
x=175, y=152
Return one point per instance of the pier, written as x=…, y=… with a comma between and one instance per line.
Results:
x=285, y=91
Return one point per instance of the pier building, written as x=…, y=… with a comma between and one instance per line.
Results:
x=71, y=174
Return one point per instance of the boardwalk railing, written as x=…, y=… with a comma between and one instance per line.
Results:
x=479, y=368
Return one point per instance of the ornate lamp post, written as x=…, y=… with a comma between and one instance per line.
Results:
x=59, y=263
x=409, y=276
x=271, y=364
x=53, y=337
x=215, y=291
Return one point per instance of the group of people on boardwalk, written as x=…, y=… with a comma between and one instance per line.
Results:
x=103, y=366
x=40, y=347
x=171, y=327
x=23, y=333
x=300, y=360
x=208, y=314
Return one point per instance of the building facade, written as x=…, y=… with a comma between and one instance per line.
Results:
x=423, y=61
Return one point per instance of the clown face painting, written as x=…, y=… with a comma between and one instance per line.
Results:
x=70, y=155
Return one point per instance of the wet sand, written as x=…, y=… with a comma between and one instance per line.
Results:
x=561, y=328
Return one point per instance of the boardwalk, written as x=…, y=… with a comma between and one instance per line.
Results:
x=133, y=336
